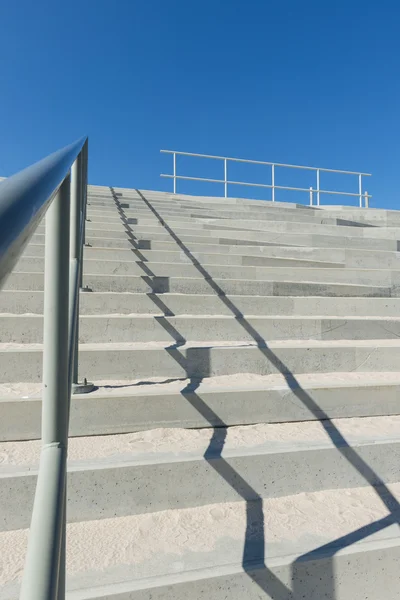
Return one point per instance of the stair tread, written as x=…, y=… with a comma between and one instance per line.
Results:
x=212, y=537
x=188, y=444
x=224, y=383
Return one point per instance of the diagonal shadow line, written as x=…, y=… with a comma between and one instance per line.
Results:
x=370, y=476
x=131, y=236
x=253, y=560
x=349, y=539
x=135, y=249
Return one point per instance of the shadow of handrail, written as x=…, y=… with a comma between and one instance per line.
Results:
x=254, y=547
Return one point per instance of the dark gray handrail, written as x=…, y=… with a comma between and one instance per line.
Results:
x=58, y=185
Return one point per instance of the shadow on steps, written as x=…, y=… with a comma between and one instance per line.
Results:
x=312, y=574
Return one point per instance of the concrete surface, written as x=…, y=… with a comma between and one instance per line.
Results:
x=277, y=325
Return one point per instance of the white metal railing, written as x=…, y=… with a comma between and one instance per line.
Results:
x=272, y=186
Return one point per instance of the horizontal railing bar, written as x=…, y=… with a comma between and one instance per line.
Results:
x=193, y=178
x=25, y=197
x=262, y=185
x=262, y=162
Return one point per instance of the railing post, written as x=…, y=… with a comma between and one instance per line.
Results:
x=174, y=171
x=273, y=182
x=366, y=200
x=311, y=196
x=360, y=188
x=41, y=575
x=317, y=187
x=85, y=154
x=76, y=262
x=225, y=178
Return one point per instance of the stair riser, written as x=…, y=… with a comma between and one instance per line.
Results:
x=260, y=238
x=210, y=229
x=355, y=573
x=102, y=415
x=233, y=237
x=180, y=265
x=160, y=284
x=199, y=362
x=19, y=302
x=29, y=329
x=247, y=223
x=279, y=272
x=142, y=488
x=264, y=216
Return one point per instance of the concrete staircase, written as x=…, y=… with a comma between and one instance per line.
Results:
x=244, y=439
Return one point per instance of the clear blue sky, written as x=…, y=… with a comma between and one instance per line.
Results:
x=312, y=82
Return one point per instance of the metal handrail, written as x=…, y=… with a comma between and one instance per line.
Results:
x=360, y=194
x=58, y=185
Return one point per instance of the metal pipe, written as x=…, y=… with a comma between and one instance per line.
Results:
x=311, y=196
x=85, y=158
x=226, y=178
x=41, y=574
x=317, y=187
x=262, y=185
x=263, y=162
x=24, y=199
x=75, y=244
x=174, y=166
x=273, y=182
x=360, y=189
x=62, y=576
x=366, y=200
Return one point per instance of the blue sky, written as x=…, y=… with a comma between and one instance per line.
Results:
x=312, y=82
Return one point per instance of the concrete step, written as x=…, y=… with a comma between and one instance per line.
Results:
x=206, y=258
x=133, y=262
x=28, y=329
x=241, y=399
x=233, y=217
x=133, y=241
x=152, y=195
x=178, y=220
x=20, y=302
x=231, y=236
x=250, y=238
x=246, y=547
x=127, y=361
x=213, y=228
x=215, y=253
x=378, y=277
x=30, y=281
x=380, y=217
x=130, y=469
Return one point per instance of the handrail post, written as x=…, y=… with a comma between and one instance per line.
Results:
x=41, y=575
x=76, y=262
x=226, y=177
x=360, y=188
x=273, y=182
x=311, y=196
x=366, y=199
x=174, y=170
x=317, y=187
x=85, y=154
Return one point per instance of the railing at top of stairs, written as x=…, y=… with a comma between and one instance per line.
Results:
x=272, y=186
x=57, y=184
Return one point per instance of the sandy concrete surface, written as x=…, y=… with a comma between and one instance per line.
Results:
x=175, y=441
x=246, y=381
x=153, y=544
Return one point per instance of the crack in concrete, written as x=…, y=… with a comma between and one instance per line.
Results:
x=390, y=331
x=364, y=361
x=333, y=328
